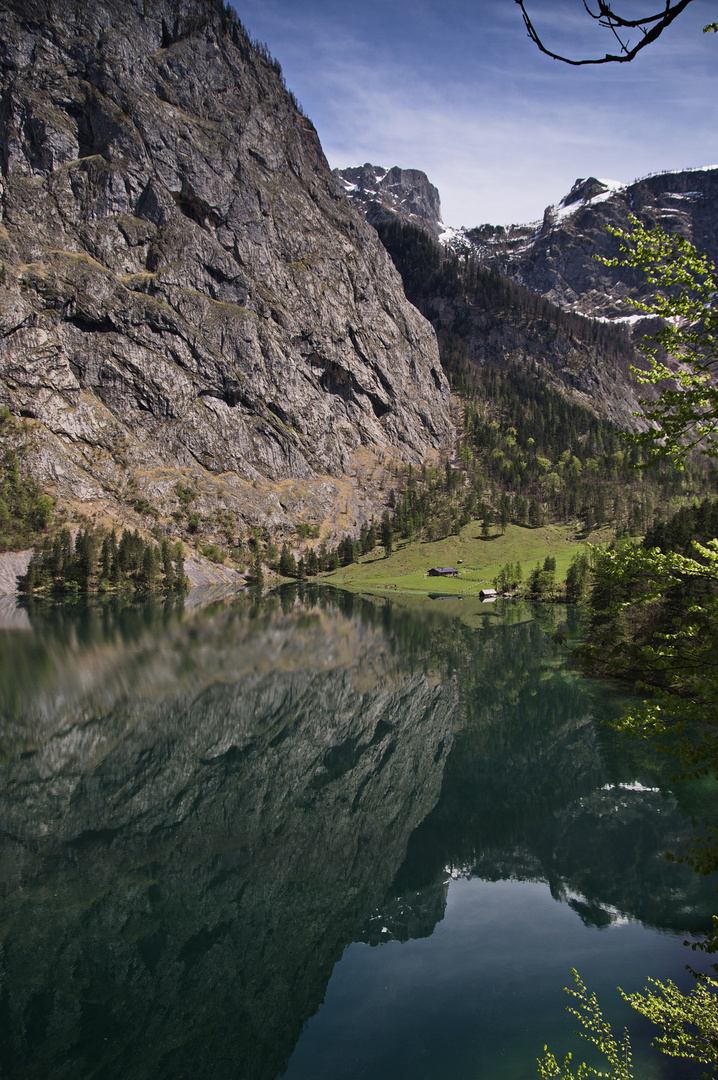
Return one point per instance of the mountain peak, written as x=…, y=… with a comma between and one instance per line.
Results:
x=387, y=194
x=585, y=188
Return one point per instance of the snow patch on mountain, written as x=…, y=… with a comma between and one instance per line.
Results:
x=454, y=239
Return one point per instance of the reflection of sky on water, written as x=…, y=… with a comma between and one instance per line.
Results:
x=203, y=809
x=481, y=996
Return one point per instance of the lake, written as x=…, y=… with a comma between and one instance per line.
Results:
x=321, y=835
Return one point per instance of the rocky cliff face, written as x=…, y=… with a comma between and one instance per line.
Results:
x=593, y=374
x=555, y=256
x=385, y=194
x=184, y=290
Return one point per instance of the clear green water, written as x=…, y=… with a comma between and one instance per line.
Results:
x=323, y=836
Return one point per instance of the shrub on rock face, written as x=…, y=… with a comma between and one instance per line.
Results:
x=213, y=553
x=24, y=509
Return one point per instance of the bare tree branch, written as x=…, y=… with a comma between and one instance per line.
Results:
x=650, y=26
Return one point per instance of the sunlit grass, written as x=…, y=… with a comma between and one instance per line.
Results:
x=478, y=560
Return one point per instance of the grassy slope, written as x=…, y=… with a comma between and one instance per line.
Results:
x=482, y=559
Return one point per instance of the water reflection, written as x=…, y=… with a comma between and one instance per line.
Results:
x=198, y=813
x=201, y=809
x=536, y=789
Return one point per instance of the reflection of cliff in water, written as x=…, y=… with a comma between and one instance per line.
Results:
x=534, y=789
x=200, y=810
x=191, y=836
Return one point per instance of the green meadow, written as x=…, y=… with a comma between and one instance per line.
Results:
x=478, y=559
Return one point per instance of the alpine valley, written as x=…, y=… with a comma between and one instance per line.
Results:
x=299, y=829
x=196, y=314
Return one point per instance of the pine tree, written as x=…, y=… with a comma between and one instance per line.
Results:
x=311, y=563
x=387, y=534
x=287, y=562
x=168, y=569
x=149, y=566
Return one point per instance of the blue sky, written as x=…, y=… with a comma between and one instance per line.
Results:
x=457, y=89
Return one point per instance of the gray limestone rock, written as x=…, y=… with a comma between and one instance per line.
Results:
x=387, y=194
x=183, y=288
x=13, y=564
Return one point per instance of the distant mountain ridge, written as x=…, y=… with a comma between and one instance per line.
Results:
x=554, y=256
x=385, y=194
x=556, y=259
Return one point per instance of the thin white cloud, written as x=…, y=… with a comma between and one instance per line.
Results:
x=501, y=130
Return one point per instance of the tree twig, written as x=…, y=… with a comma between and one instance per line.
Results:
x=651, y=27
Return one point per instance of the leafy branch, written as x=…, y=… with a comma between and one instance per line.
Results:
x=688, y=1029
x=688, y=1022
x=597, y=1031
x=684, y=417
